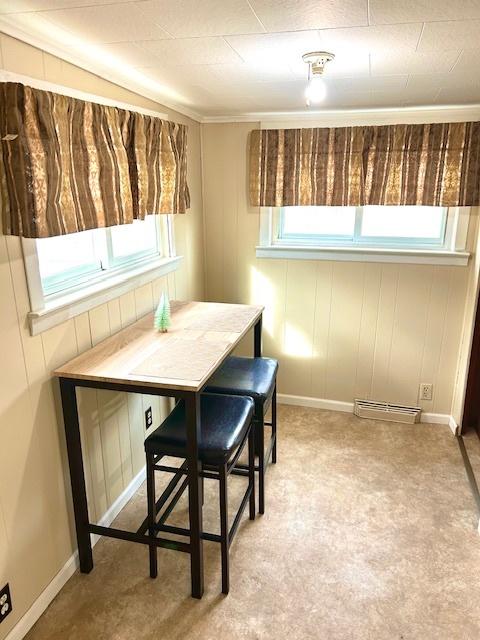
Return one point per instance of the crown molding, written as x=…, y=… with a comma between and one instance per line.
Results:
x=97, y=69
x=426, y=113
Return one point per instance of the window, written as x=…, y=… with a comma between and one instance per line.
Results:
x=428, y=235
x=68, y=275
x=72, y=261
x=368, y=226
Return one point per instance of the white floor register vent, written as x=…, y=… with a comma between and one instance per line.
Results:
x=386, y=411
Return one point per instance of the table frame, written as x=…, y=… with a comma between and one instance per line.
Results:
x=83, y=525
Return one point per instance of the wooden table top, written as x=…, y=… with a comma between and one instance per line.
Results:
x=200, y=337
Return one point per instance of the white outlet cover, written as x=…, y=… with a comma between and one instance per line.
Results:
x=426, y=390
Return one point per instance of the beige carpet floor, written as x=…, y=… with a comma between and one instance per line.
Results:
x=370, y=533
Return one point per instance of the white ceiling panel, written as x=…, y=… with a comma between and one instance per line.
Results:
x=452, y=96
x=220, y=78
x=275, y=48
x=468, y=63
x=235, y=75
x=19, y=6
x=268, y=93
x=122, y=22
x=208, y=99
x=412, y=62
x=235, y=56
x=191, y=18
x=284, y=50
x=463, y=34
x=375, y=38
x=251, y=72
x=380, y=83
x=398, y=11
x=293, y=15
x=191, y=51
x=130, y=53
x=405, y=98
x=457, y=81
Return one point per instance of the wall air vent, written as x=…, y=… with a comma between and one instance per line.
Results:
x=386, y=411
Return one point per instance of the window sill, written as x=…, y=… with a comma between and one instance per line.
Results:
x=73, y=304
x=365, y=254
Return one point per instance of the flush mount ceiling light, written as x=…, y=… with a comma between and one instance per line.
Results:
x=316, y=89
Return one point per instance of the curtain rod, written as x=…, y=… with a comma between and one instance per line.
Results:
x=44, y=85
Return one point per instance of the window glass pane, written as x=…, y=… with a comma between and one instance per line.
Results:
x=403, y=222
x=318, y=221
x=60, y=254
x=135, y=238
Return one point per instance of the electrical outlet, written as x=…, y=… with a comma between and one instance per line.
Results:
x=5, y=602
x=148, y=418
x=426, y=391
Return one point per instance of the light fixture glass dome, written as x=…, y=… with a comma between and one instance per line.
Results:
x=316, y=90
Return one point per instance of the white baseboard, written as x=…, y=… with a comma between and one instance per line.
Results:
x=315, y=403
x=336, y=405
x=456, y=429
x=27, y=621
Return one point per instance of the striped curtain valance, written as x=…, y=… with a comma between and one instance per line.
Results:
x=405, y=164
x=68, y=165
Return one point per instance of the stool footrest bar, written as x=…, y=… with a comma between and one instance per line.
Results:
x=170, y=488
x=180, y=531
x=241, y=509
x=176, y=497
x=133, y=536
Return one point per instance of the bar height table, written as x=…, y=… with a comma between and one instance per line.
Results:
x=139, y=359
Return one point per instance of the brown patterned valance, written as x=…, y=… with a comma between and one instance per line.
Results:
x=405, y=164
x=68, y=165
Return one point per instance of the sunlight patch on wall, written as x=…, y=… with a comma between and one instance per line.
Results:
x=296, y=342
x=262, y=291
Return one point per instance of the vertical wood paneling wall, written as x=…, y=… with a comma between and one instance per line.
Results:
x=340, y=329
x=36, y=538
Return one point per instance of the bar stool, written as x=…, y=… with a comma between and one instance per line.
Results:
x=256, y=378
x=225, y=428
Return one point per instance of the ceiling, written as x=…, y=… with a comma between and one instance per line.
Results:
x=233, y=57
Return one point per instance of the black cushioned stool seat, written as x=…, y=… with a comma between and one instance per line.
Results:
x=257, y=379
x=224, y=422
x=253, y=377
x=225, y=428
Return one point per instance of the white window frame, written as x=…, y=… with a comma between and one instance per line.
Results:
x=84, y=293
x=451, y=253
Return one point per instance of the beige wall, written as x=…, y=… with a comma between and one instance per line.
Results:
x=340, y=329
x=36, y=536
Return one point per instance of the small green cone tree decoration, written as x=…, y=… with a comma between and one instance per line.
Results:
x=162, y=314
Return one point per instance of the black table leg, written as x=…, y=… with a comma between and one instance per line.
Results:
x=195, y=497
x=77, y=475
x=257, y=339
x=257, y=352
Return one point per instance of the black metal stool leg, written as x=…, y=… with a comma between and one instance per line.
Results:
x=274, y=424
x=151, y=512
x=224, y=529
x=261, y=465
x=251, y=471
